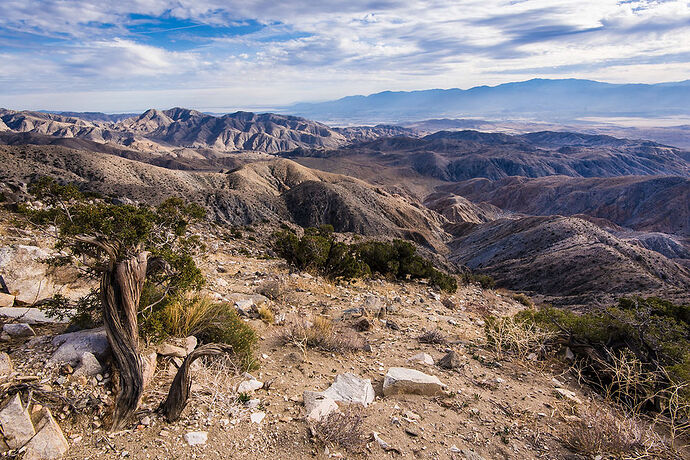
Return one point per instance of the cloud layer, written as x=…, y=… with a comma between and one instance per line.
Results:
x=220, y=54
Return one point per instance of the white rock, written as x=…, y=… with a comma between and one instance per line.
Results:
x=168, y=349
x=190, y=344
x=18, y=330
x=29, y=315
x=257, y=417
x=317, y=405
x=73, y=345
x=16, y=423
x=349, y=388
x=401, y=380
x=569, y=355
x=196, y=438
x=249, y=386
x=423, y=358
x=88, y=366
x=49, y=442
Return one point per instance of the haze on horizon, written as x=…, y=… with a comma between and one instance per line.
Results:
x=218, y=55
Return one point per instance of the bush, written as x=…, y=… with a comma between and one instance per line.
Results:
x=318, y=251
x=485, y=281
x=433, y=336
x=511, y=334
x=523, y=299
x=634, y=351
x=208, y=321
x=344, y=429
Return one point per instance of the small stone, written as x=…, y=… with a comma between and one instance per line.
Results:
x=423, y=358
x=249, y=386
x=569, y=355
x=532, y=357
x=318, y=405
x=150, y=363
x=450, y=360
x=18, y=330
x=349, y=388
x=89, y=366
x=363, y=324
x=401, y=380
x=146, y=420
x=257, y=417
x=195, y=438
x=190, y=344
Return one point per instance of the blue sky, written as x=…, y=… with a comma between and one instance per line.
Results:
x=220, y=55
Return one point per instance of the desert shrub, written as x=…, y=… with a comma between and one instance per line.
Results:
x=433, y=336
x=633, y=352
x=523, y=299
x=508, y=334
x=317, y=250
x=208, y=321
x=343, y=429
x=601, y=432
x=266, y=314
x=322, y=334
x=272, y=289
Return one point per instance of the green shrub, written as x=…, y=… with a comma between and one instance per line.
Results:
x=523, y=299
x=654, y=331
x=318, y=251
x=208, y=321
x=485, y=281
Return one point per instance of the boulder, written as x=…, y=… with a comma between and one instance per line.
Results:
x=349, y=388
x=168, y=349
x=29, y=315
x=16, y=423
x=400, y=380
x=5, y=364
x=450, y=360
x=73, y=345
x=49, y=442
x=317, y=405
x=422, y=358
x=18, y=330
x=88, y=366
x=6, y=300
x=567, y=394
x=196, y=438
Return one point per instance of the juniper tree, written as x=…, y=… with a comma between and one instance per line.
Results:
x=125, y=246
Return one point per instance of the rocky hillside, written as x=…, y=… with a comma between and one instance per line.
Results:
x=650, y=203
x=455, y=398
x=570, y=260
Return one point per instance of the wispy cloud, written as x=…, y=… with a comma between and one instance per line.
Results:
x=266, y=52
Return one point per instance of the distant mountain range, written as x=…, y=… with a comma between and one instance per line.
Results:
x=538, y=99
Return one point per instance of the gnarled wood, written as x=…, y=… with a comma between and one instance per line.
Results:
x=179, y=390
x=121, y=287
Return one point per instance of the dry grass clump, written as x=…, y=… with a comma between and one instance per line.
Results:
x=266, y=314
x=523, y=299
x=214, y=381
x=601, y=432
x=273, y=289
x=522, y=338
x=343, y=429
x=322, y=334
x=433, y=336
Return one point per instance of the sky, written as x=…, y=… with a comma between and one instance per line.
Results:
x=222, y=55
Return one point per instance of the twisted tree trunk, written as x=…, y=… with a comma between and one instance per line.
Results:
x=179, y=390
x=121, y=286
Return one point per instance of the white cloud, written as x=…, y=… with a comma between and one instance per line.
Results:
x=319, y=50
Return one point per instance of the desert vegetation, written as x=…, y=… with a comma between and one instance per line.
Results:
x=317, y=250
